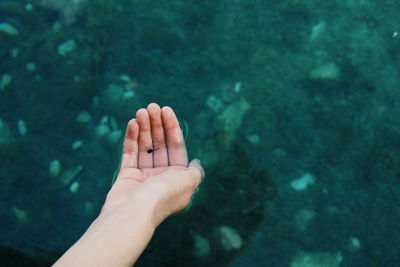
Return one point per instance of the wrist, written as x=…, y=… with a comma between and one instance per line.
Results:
x=115, y=238
x=139, y=204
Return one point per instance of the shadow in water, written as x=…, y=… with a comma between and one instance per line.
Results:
x=232, y=197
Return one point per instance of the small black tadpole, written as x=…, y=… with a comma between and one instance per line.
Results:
x=150, y=150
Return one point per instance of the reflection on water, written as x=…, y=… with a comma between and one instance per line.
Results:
x=292, y=107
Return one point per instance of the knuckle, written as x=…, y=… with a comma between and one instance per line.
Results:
x=156, y=124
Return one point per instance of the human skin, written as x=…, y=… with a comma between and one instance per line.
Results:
x=149, y=188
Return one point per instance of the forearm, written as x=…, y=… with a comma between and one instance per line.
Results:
x=111, y=240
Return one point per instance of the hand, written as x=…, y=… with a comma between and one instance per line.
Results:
x=154, y=181
x=154, y=171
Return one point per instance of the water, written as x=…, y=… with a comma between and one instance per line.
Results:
x=292, y=106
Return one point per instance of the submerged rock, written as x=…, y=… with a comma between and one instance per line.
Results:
x=5, y=134
x=114, y=137
x=102, y=130
x=253, y=138
x=88, y=208
x=354, y=244
x=317, y=259
x=55, y=168
x=5, y=81
x=70, y=174
x=233, y=114
x=30, y=66
x=68, y=8
x=303, y=218
x=73, y=188
x=303, y=182
x=66, y=47
x=22, y=127
x=77, y=144
x=318, y=30
x=329, y=71
x=83, y=117
x=229, y=238
x=231, y=92
x=8, y=29
x=21, y=215
x=201, y=247
x=214, y=103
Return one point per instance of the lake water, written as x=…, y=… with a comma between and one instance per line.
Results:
x=292, y=106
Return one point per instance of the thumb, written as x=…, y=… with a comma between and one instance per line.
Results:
x=197, y=171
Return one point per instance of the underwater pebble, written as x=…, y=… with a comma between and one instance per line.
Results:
x=201, y=247
x=229, y=238
x=214, y=103
x=22, y=127
x=303, y=182
x=317, y=30
x=5, y=80
x=5, y=134
x=8, y=29
x=77, y=144
x=129, y=94
x=22, y=216
x=230, y=93
x=238, y=86
x=131, y=86
x=88, y=208
x=113, y=95
x=70, y=174
x=303, y=218
x=95, y=101
x=66, y=47
x=233, y=114
x=113, y=123
x=83, y=117
x=14, y=52
x=28, y=7
x=104, y=119
x=125, y=78
x=102, y=130
x=73, y=188
x=279, y=152
x=30, y=66
x=354, y=244
x=317, y=259
x=54, y=168
x=329, y=71
x=56, y=26
x=114, y=136
x=253, y=138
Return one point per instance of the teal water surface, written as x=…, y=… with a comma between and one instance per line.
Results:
x=292, y=106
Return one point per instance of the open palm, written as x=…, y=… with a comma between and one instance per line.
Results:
x=154, y=161
x=155, y=181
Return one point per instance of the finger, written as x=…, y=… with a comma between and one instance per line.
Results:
x=177, y=154
x=145, y=142
x=130, y=150
x=197, y=172
x=160, y=153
